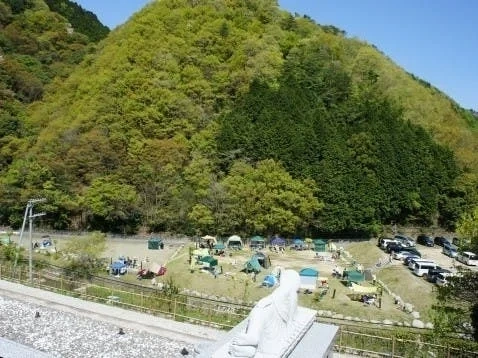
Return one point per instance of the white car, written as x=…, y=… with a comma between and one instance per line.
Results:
x=468, y=258
x=405, y=240
x=402, y=255
x=441, y=279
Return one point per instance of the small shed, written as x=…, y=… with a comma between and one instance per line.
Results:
x=155, y=243
x=319, y=245
x=234, y=242
x=308, y=278
x=257, y=242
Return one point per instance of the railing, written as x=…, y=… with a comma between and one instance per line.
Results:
x=218, y=314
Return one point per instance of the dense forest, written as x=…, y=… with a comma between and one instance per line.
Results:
x=233, y=116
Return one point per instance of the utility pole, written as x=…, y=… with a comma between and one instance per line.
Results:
x=29, y=214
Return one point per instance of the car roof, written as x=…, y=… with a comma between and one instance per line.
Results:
x=469, y=253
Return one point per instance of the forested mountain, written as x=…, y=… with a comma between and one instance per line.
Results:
x=36, y=46
x=234, y=116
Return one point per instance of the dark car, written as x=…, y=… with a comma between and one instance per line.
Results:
x=394, y=247
x=413, y=251
x=440, y=240
x=433, y=273
x=425, y=240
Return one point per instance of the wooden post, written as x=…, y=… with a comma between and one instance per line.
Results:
x=333, y=293
x=393, y=346
x=142, y=301
x=61, y=284
x=340, y=339
x=174, y=309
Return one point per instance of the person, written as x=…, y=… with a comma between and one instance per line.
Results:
x=270, y=322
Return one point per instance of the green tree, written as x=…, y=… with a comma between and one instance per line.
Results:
x=84, y=255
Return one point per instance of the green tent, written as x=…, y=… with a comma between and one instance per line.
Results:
x=154, y=243
x=354, y=276
x=253, y=265
x=319, y=245
x=209, y=260
x=257, y=242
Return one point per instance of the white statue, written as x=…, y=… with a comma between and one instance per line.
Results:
x=270, y=322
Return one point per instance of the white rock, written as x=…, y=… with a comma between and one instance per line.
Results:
x=418, y=324
x=416, y=314
x=429, y=325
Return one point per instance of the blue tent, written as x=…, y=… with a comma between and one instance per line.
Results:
x=278, y=241
x=269, y=281
x=118, y=268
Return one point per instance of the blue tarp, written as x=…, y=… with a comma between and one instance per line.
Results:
x=278, y=241
x=298, y=242
x=269, y=281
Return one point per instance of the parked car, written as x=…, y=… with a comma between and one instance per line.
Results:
x=412, y=262
x=402, y=255
x=440, y=240
x=468, y=258
x=405, y=240
x=425, y=240
x=385, y=241
x=441, y=279
x=450, y=250
x=421, y=268
x=433, y=274
x=394, y=247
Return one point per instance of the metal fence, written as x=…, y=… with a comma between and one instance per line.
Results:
x=223, y=315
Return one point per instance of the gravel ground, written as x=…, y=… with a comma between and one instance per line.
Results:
x=64, y=334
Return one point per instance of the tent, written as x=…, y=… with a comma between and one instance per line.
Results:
x=118, y=268
x=257, y=242
x=278, y=241
x=234, y=242
x=155, y=243
x=299, y=244
x=308, y=278
x=208, y=261
x=208, y=241
x=269, y=281
x=319, y=245
x=353, y=276
x=253, y=265
x=263, y=259
x=158, y=269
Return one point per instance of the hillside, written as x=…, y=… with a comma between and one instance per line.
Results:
x=233, y=116
x=36, y=46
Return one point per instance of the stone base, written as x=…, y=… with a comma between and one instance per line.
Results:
x=309, y=339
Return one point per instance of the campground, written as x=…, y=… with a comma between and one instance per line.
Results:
x=234, y=285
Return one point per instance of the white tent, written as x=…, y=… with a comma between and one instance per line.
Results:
x=235, y=241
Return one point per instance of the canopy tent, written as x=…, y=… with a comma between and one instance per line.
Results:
x=263, y=259
x=208, y=261
x=208, y=240
x=155, y=243
x=253, y=265
x=257, y=242
x=234, y=242
x=308, y=278
x=278, y=241
x=269, y=281
x=309, y=272
x=319, y=245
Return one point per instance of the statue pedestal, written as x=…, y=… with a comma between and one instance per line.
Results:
x=307, y=339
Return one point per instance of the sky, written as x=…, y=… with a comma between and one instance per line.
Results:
x=436, y=40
